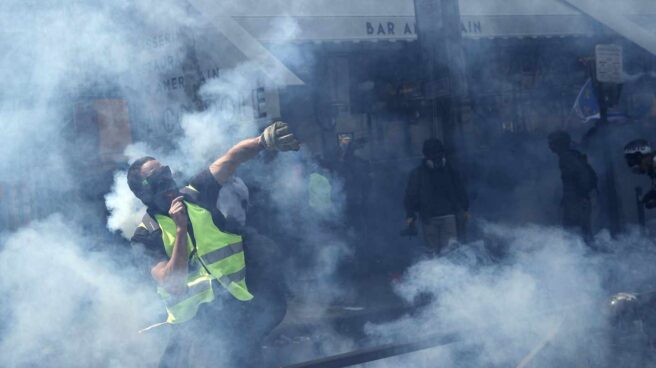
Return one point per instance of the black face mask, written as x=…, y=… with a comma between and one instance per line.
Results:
x=161, y=188
x=437, y=157
x=634, y=161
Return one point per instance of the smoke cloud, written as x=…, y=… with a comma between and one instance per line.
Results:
x=523, y=289
x=73, y=295
x=311, y=246
x=64, y=305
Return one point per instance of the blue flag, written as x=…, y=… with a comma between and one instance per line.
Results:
x=586, y=105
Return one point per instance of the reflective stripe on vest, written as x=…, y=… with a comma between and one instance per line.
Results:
x=221, y=254
x=183, y=307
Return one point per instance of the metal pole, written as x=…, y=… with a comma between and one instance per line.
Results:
x=641, y=208
x=440, y=39
x=609, y=177
x=378, y=352
x=613, y=199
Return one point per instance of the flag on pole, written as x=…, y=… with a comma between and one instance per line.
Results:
x=586, y=105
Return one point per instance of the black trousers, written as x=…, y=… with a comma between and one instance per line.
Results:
x=577, y=213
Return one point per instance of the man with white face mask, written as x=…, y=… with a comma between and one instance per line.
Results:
x=437, y=194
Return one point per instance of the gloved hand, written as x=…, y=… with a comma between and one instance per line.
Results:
x=278, y=137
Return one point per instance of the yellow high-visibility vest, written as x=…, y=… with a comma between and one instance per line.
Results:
x=320, y=194
x=214, y=255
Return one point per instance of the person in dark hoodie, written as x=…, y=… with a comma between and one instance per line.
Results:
x=436, y=193
x=579, y=182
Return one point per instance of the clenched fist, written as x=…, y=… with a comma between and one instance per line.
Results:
x=178, y=213
x=277, y=136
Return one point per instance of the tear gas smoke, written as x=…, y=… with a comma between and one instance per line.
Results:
x=70, y=296
x=315, y=249
x=69, y=306
x=64, y=305
x=544, y=285
x=127, y=210
x=207, y=134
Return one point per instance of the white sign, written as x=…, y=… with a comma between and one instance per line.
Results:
x=609, y=63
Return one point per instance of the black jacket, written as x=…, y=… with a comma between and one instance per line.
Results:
x=433, y=192
x=578, y=177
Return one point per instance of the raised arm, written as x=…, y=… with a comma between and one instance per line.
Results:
x=226, y=165
x=276, y=136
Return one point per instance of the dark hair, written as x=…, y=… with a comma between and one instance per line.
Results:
x=134, y=175
x=432, y=147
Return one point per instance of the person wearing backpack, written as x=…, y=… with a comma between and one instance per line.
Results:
x=579, y=182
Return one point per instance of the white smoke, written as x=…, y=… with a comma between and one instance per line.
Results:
x=70, y=295
x=207, y=134
x=64, y=305
x=127, y=210
x=546, y=291
x=228, y=118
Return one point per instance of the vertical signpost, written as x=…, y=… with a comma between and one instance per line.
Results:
x=440, y=38
x=439, y=32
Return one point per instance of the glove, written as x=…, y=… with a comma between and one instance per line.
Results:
x=277, y=137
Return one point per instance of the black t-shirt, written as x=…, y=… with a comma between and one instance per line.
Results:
x=150, y=242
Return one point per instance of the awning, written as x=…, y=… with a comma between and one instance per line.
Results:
x=246, y=25
x=367, y=20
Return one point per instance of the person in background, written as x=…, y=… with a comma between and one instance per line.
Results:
x=436, y=193
x=641, y=159
x=349, y=181
x=356, y=177
x=579, y=182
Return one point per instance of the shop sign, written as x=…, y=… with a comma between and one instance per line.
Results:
x=609, y=63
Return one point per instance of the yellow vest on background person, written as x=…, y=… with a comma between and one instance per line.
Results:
x=320, y=194
x=214, y=254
